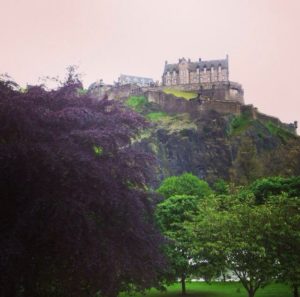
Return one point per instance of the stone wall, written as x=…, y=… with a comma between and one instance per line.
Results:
x=222, y=107
x=124, y=91
x=195, y=107
x=216, y=91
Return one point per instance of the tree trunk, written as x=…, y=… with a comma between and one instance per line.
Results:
x=224, y=276
x=295, y=291
x=251, y=292
x=183, y=289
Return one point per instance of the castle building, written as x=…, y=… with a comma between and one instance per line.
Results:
x=199, y=72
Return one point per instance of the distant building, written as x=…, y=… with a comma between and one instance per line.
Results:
x=199, y=72
x=130, y=79
x=98, y=89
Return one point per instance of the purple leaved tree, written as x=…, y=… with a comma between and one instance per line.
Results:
x=75, y=213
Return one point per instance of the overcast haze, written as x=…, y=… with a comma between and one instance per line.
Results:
x=109, y=37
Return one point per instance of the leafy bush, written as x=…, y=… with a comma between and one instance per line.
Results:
x=265, y=187
x=185, y=184
x=137, y=103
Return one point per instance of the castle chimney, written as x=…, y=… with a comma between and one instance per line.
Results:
x=296, y=124
x=199, y=59
x=166, y=62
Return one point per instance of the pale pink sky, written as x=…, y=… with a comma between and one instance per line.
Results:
x=109, y=37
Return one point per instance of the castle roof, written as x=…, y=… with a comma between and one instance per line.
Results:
x=192, y=66
x=135, y=79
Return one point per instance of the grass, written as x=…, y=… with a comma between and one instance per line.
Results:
x=137, y=103
x=283, y=134
x=177, y=123
x=181, y=94
x=239, y=123
x=217, y=289
x=156, y=116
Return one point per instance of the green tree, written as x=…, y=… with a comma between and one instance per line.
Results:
x=181, y=195
x=185, y=184
x=284, y=240
x=266, y=187
x=170, y=215
x=221, y=187
x=234, y=232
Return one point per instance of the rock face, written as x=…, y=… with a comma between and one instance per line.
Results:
x=210, y=138
x=212, y=147
x=200, y=149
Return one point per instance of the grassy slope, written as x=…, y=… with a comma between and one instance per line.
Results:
x=181, y=94
x=229, y=289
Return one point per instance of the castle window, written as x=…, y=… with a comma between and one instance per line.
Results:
x=197, y=70
x=212, y=69
x=219, y=68
x=204, y=69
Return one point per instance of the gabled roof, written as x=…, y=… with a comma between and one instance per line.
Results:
x=135, y=78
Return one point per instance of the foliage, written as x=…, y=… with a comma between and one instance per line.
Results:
x=181, y=195
x=236, y=232
x=75, y=217
x=284, y=240
x=170, y=215
x=82, y=91
x=185, y=184
x=221, y=187
x=136, y=103
x=275, y=130
x=238, y=124
x=258, y=242
x=156, y=116
x=177, y=123
x=270, y=186
x=181, y=94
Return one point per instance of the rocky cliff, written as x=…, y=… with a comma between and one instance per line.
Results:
x=234, y=147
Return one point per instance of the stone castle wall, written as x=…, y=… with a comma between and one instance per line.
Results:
x=171, y=104
x=215, y=91
x=124, y=91
x=218, y=99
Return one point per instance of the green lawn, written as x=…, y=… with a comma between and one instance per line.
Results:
x=181, y=94
x=229, y=289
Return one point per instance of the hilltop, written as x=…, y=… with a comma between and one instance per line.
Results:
x=226, y=142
